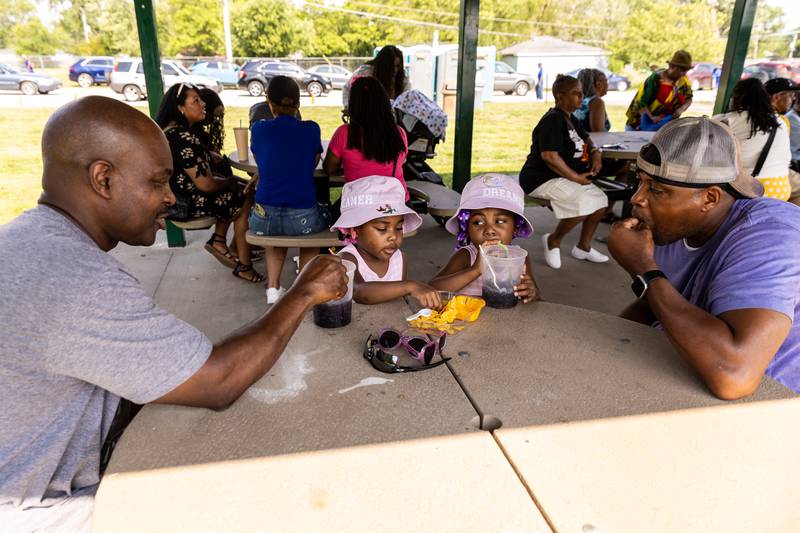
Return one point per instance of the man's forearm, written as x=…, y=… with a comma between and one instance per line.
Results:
x=242, y=358
x=705, y=341
x=247, y=354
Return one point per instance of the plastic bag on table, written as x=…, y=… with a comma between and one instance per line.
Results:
x=460, y=308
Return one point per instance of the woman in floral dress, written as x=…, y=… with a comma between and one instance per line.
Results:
x=194, y=183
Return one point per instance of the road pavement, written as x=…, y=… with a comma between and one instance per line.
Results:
x=703, y=100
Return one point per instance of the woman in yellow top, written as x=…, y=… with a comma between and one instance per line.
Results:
x=663, y=96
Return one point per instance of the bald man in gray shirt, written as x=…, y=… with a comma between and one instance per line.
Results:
x=79, y=332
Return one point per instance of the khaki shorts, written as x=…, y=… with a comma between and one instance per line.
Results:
x=569, y=199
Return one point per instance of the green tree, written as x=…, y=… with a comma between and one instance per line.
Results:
x=653, y=31
x=32, y=38
x=13, y=13
x=268, y=28
x=195, y=28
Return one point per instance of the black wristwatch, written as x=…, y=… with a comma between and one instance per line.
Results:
x=642, y=282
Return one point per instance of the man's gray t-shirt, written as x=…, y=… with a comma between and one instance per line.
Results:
x=78, y=332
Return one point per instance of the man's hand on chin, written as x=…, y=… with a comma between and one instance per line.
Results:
x=631, y=244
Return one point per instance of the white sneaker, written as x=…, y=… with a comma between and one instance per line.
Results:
x=273, y=295
x=551, y=257
x=592, y=255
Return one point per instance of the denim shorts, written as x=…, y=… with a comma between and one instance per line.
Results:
x=270, y=220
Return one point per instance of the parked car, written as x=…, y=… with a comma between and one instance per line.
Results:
x=616, y=82
x=255, y=80
x=90, y=70
x=222, y=71
x=128, y=78
x=701, y=76
x=338, y=75
x=766, y=70
x=29, y=83
x=510, y=81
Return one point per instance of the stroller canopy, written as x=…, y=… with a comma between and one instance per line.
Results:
x=425, y=110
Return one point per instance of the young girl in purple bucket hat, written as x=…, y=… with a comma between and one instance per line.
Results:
x=491, y=212
x=374, y=220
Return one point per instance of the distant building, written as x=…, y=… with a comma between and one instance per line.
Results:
x=555, y=55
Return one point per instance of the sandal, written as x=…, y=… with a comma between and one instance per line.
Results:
x=226, y=257
x=255, y=277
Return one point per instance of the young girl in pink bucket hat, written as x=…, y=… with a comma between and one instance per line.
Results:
x=491, y=212
x=373, y=221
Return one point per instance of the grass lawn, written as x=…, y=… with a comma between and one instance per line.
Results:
x=501, y=141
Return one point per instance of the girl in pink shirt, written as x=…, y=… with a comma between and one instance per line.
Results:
x=374, y=219
x=372, y=144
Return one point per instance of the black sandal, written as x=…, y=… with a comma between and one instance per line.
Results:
x=241, y=268
x=226, y=257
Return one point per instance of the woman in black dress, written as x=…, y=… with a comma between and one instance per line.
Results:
x=194, y=182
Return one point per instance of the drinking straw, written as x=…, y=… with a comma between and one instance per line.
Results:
x=486, y=262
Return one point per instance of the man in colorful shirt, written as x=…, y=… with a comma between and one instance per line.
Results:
x=663, y=96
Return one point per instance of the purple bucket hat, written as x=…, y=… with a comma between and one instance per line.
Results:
x=491, y=190
x=374, y=197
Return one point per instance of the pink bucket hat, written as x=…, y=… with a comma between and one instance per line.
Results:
x=374, y=197
x=491, y=190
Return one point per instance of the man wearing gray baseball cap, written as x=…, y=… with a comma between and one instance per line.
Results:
x=713, y=264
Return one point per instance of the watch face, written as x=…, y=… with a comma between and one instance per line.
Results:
x=639, y=286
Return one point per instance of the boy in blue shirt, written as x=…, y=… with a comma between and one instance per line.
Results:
x=287, y=151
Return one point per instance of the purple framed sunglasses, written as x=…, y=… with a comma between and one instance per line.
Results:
x=420, y=348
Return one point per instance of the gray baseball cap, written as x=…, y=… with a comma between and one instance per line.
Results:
x=697, y=152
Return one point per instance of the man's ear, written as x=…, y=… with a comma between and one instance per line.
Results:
x=712, y=196
x=100, y=178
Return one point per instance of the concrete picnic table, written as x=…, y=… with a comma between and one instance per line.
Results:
x=610, y=428
x=596, y=422
x=621, y=144
x=323, y=442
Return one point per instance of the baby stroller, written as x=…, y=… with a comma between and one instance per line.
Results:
x=425, y=124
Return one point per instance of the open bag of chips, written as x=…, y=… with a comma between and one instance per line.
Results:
x=458, y=310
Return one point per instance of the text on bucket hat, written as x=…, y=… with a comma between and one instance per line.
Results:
x=491, y=190
x=697, y=152
x=374, y=197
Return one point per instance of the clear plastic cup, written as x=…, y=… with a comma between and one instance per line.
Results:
x=502, y=268
x=337, y=313
x=242, y=146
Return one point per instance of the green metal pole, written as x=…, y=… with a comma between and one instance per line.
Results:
x=151, y=56
x=151, y=59
x=744, y=11
x=465, y=99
